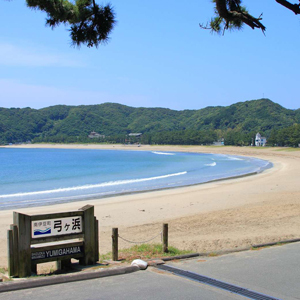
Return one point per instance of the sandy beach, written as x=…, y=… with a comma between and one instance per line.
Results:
x=223, y=215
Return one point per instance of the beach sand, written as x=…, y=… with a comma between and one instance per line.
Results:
x=223, y=215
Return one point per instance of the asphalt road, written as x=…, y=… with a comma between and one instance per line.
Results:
x=272, y=271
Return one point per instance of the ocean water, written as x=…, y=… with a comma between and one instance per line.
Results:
x=35, y=177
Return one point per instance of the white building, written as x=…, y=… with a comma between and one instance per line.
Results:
x=260, y=140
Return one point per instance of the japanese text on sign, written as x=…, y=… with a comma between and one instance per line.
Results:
x=53, y=227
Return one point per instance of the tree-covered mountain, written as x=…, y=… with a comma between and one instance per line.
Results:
x=73, y=123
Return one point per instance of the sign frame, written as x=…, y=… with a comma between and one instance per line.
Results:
x=22, y=245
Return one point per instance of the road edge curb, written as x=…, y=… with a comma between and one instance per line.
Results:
x=58, y=279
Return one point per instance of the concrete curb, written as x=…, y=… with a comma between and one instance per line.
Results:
x=276, y=243
x=235, y=250
x=58, y=279
x=185, y=256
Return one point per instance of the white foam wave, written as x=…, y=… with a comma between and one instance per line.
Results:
x=92, y=186
x=163, y=153
x=229, y=157
x=211, y=165
x=234, y=158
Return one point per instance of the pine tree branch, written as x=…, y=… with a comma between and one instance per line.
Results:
x=90, y=23
x=293, y=7
x=231, y=16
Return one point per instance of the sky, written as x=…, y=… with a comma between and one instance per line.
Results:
x=157, y=56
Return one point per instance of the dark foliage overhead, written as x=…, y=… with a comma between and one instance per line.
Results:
x=232, y=14
x=89, y=22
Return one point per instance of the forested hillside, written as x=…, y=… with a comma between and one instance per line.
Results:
x=237, y=123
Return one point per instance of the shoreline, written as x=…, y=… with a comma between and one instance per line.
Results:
x=220, y=215
x=78, y=200
x=268, y=165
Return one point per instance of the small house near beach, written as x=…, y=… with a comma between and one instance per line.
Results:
x=133, y=138
x=260, y=140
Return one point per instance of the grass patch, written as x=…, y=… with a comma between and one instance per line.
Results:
x=213, y=146
x=2, y=270
x=269, y=246
x=144, y=251
x=290, y=149
x=213, y=254
x=259, y=248
x=262, y=147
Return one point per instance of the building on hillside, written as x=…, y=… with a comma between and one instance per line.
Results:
x=260, y=140
x=95, y=135
x=137, y=135
x=133, y=138
x=220, y=142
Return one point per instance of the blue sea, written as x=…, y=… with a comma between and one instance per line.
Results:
x=35, y=177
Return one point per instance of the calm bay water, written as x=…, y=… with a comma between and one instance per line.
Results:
x=34, y=177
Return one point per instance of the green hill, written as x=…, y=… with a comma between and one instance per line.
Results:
x=73, y=123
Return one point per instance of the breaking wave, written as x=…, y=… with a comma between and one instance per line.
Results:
x=93, y=186
x=163, y=153
x=211, y=165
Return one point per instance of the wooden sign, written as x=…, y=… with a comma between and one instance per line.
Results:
x=34, y=239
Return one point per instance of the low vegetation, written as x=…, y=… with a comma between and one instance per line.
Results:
x=144, y=251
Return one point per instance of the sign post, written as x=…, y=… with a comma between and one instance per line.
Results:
x=35, y=239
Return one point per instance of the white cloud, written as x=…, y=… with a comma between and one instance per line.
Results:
x=34, y=56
